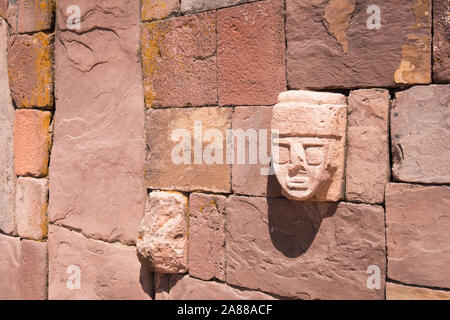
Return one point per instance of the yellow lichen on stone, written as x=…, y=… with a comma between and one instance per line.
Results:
x=151, y=9
x=43, y=70
x=338, y=14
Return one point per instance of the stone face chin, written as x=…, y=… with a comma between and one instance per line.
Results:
x=309, y=153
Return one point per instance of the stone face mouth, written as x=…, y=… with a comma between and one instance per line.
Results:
x=299, y=182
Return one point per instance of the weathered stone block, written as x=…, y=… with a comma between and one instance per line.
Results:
x=207, y=236
x=31, y=208
x=420, y=134
x=368, y=166
x=33, y=270
x=179, y=61
x=418, y=241
x=3, y=8
x=162, y=243
x=310, y=157
x=103, y=270
x=340, y=44
x=99, y=148
x=31, y=142
x=7, y=176
x=304, y=250
x=188, y=6
x=35, y=15
x=441, y=41
x=9, y=267
x=30, y=70
x=251, y=53
x=252, y=177
x=186, y=149
x=400, y=292
x=158, y=9
x=187, y=288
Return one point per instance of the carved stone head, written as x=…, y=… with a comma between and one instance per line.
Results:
x=308, y=155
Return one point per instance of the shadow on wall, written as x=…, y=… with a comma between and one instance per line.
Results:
x=294, y=225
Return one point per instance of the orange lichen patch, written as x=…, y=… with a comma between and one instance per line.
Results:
x=44, y=220
x=44, y=82
x=45, y=8
x=423, y=15
x=338, y=14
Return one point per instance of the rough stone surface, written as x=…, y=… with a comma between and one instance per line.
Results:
x=418, y=241
x=188, y=6
x=187, y=288
x=330, y=46
x=368, y=167
x=179, y=61
x=99, y=148
x=31, y=142
x=251, y=54
x=11, y=15
x=107, y=271
x=420, y=133
x=207, y=236
x=162, y=243
x=3, y=7
x=30, y=70
x=158, y=9
x=441, y=41
x=7, y=176
x=35, y=15
x=247, y=178
x=400, y=292
x=9, y=267
x=31, y=208
x=310, y=157
x=304, y=250
x=170, y=164
x=33, y=270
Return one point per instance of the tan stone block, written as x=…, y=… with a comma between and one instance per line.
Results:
x=207, y=236
x=162, y=243
x=158, y=9
x=400, y=292
x=33, y=270
x=173, y=162
x=309, y=163
x=418, y=241
x=9, y=267
x=31, y=70
x=368, y=167
x=31, y=142
x=31, y=208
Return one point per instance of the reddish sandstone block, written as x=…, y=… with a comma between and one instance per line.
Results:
x=9, y=267
x=3, y=7
x=158, y=9
x=33, y=270
x=368, y=167
x=179, y=61
x=30, y=70
x=329, y=43
x=304, y=250
x=31, y=208
x=35, y=15
x=251, y=57
x=31, y=142
x=207, y=236
x=418, y=241
x=173, y=162
x=400, y=292
x=188, y=6
x=441, y=41
x=187, y=288
x=107, y=271
x=247, y=178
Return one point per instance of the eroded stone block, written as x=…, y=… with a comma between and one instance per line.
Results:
x=420, y=134
x=368, y=167
x=418, y=241
x=309, y=162
x=9, y=267
x=162, y=243
x=441, y=41
x=31, y=208
x=35, y=15
x=400, y=292
x=33, y=270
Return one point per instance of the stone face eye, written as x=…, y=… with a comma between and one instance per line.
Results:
x=314, y=155
x=283, y=154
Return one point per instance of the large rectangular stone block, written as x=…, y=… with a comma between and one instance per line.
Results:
x=187, y=149
x=441, y=41
x=99, y=149
x=9, y=267
x=400, y=292
x=358, y=43
x=33, y=270
x=306, y=250
x=420, y=134
x=35, y=15
x=368, y=166
x=82, y=268
x=418, y=238
x=251, y=53
x=179, y=61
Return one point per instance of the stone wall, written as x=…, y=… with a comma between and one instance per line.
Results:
x=118, y=179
